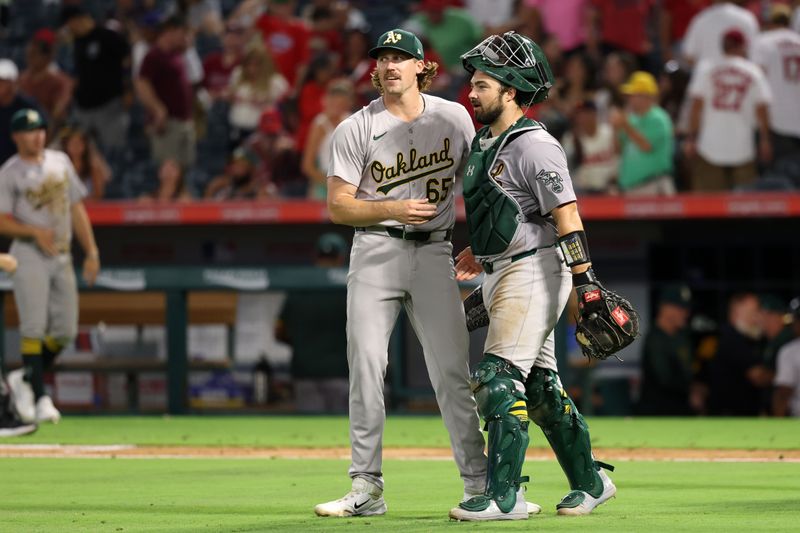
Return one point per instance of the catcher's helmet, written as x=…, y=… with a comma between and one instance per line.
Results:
x=514, y=60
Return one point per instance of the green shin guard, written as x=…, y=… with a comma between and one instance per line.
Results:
x=501, y=403
x=551, y=409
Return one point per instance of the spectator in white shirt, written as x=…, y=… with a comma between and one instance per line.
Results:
x=729, y=96
x=777, y=50
x=703, y=39
x=591, y=150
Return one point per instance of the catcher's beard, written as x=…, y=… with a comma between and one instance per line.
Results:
x=489, y=114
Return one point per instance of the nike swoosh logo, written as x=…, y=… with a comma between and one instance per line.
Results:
x=360, y=505
x=376, y=137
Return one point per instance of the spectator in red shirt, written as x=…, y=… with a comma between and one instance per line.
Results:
x=309, y=103
x=287, y=38
x=358, y=66
x=218, y=66
x=43, y=81
x=673, y=18
x=278, y=170
x=164, y=89
x=622, y=25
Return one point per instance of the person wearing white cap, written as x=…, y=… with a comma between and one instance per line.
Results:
x=11, y=101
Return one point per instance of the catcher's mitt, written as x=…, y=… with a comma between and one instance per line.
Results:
x=607, y=322
x=477, y=316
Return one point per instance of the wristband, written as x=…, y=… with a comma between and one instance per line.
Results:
x=584, y=278
x=575, y=248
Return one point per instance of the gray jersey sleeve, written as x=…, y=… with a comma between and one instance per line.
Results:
x=6, y=191
x=348, y=155
x=544, y=166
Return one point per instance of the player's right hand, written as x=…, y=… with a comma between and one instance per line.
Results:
x=8, y=263
x=414, y=211
x=467, y=267
x=45, y=240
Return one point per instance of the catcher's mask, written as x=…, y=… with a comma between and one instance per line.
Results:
x=514, y=60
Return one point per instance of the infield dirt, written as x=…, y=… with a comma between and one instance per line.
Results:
x=235, y=452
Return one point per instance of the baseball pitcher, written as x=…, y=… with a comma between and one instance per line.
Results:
x=40, y=207
x=392, y=176
x=524, y=226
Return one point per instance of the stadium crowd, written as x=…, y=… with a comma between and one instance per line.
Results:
x=175, y=100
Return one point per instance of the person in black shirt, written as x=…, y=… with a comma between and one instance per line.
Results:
x=667, y=357
x=102, y=65
x=737, y=373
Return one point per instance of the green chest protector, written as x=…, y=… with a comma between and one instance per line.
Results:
x=493, y=215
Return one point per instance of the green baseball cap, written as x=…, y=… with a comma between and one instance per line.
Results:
x=402, y=40
x=26, y=120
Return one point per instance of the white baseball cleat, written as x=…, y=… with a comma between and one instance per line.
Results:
x=578, y=502
x=364, y=499
x=46, y=411
x=492, y=512
x=22, y=396
x=533, y=508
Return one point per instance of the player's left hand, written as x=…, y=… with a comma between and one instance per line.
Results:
x=466, y=266
x=91, y=266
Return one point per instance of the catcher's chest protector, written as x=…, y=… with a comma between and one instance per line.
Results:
x=492, y=214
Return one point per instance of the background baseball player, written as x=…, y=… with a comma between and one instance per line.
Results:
x=392, y=176
x=40, y=207
x=521, y=212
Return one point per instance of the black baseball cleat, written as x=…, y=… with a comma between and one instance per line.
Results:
x=14, y=428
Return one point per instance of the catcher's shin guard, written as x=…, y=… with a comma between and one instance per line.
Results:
x=501, y=402
x=551, y=409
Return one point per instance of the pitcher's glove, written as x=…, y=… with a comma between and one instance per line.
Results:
x=607, y=322
x=477, y=316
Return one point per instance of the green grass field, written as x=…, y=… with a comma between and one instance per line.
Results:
x=68, y=494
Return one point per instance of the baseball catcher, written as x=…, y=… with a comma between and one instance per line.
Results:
x=526, y=234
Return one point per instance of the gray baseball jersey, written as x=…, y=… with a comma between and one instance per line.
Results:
x=511, y=185
x=531, y=168
x=42, y=194
x=389, y=159
x=45, y=289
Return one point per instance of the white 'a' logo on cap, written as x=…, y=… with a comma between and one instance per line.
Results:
x=32, y=116
x=392, y=37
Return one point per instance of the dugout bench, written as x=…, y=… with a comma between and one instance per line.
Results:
x=141, y=309
x=175, y=297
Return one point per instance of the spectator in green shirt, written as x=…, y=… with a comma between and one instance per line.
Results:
x=450, y=30
x=646, y=140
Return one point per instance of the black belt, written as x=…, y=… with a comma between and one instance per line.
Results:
x=490, y=266
x=419, y=236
